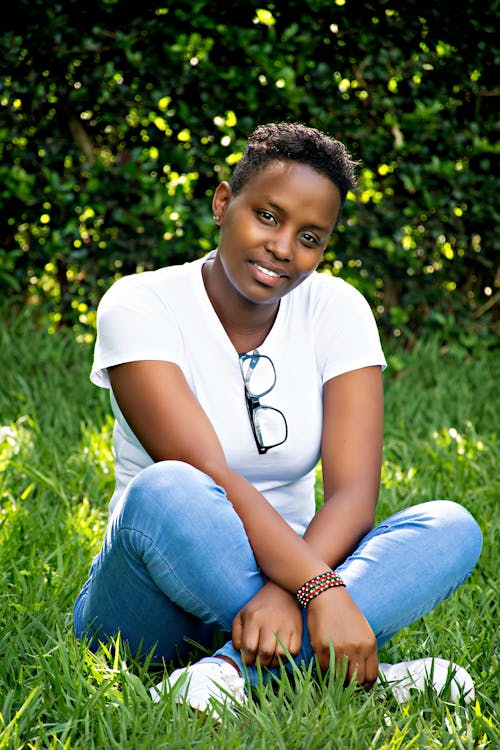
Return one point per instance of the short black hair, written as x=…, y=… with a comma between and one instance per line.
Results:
x=284, y=141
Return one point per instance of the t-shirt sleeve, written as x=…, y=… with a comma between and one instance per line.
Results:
x=347, y=334
x=133, y=323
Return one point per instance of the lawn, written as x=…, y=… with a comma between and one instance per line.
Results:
x=56, y=476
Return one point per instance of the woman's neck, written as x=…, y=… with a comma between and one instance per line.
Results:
x=246, y=324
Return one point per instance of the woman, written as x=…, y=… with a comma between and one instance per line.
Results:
x=230, y=378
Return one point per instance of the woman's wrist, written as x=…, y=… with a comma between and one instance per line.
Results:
x=315, y=586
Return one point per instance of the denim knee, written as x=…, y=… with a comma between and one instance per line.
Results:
x=454, y=522
x=163, y=493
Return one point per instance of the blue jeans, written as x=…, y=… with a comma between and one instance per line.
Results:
x=176, y=564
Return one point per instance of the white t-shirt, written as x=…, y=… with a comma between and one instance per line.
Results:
x=324, y=328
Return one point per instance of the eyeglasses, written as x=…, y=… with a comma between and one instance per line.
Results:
x=269, y=425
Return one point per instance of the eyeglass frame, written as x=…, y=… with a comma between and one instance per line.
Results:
x=253, y=401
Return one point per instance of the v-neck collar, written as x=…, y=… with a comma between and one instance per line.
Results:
x=209, y=310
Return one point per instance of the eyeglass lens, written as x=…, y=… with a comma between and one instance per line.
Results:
x=270, y=426
x=259, y=374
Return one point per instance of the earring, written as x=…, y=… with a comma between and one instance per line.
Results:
x=216, y=218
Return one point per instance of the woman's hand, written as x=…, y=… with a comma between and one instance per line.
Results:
x=271, y=614
x=333, y=618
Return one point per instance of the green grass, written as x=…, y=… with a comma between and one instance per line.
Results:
x=55, y=482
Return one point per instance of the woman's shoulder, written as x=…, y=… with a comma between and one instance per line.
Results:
x=146, y=283
x=328, y=283
x=324, y=289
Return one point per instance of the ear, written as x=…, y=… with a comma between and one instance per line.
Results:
x=222, y=198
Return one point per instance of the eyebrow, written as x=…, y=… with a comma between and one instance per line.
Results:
x=280, y=209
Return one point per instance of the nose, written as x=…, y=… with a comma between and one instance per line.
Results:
x=280, y=244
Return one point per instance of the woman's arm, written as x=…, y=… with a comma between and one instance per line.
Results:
x=167, y=419
x=351, y=462
x=351, y=456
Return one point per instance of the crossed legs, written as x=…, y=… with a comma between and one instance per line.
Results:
x=176, y=564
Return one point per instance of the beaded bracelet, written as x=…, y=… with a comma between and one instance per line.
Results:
x=315, y=586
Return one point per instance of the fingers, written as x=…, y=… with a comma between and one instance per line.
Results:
x=362, y=666
x=245, y=639
x=371, y=671
x=295, y=642
x=355, y=671
x=286, y=647
x=269, y=650
x=358, y=663
x=237, y=632
x=261, y=645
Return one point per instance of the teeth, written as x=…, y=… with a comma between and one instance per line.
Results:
x=267, y=271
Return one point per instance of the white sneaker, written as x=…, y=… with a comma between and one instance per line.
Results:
x=206, y=686
x=420, y=673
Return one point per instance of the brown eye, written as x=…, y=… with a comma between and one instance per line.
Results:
x=267, y=216
x=310, y=239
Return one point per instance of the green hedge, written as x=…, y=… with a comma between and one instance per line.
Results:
x=116, y=125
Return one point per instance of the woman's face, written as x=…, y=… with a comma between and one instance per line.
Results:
x=275, y=230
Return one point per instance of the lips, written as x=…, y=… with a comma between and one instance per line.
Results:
x=266, y=274
x=271, y=272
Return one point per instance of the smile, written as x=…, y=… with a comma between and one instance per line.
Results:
x=267, y=271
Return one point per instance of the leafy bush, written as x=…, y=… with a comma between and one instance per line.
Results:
x=117, y=123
